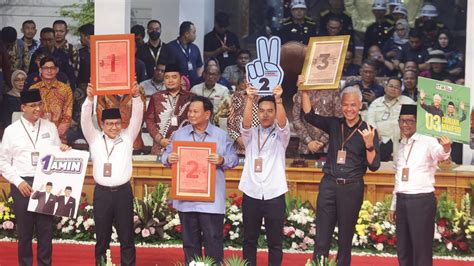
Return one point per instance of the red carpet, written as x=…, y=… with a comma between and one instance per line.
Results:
x=73, y=254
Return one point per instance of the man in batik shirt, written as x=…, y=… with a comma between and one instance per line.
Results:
x=236, y=114
x=167, y=110
x=325, y=103
x=56, y=95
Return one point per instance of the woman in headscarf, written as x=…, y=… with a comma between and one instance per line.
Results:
x=455, y=58
x=11, y=101
x=393, y=47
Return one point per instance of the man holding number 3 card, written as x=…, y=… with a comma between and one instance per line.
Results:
x=111, y=153
x=353, y=147
x=413, y=206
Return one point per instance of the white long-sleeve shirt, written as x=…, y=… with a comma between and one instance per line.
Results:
x=16, y=148
x=121, y=156
x=422, y=162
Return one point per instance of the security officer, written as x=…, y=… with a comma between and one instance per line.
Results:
x=299, y=27
x=392, y=4
x=336, y=9
x=380, y=31
x=428, y=12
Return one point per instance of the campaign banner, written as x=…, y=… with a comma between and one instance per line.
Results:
x=443, y=109
x=58, y=182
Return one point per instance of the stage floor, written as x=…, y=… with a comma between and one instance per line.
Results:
x=77, y=254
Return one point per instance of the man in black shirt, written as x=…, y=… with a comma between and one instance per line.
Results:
x=221, y=43
x=413, y=51
x=154, y=50
x=353, y=147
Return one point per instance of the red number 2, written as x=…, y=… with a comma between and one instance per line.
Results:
x=192, y=172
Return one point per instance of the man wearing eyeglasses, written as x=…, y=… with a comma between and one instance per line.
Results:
x=19, y=155
x=111, y=153
x=413, y=206
x=57, y=97
x=383, y=115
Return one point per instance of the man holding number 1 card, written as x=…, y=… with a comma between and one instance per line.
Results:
x=111, y=153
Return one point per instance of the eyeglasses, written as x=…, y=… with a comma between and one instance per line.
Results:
x=408, y=122
x=19, y=80
x=112, y=124
x=45, y=68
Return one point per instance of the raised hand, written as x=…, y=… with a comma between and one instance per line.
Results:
x=251, y=91
x=265, y=72
x=461, y=105
x=90, y=92
x=422, y=94
x=277, y=91
x=368, y=135
x=446, y=143
x=135, y=89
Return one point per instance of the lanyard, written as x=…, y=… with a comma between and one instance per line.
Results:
x=37, y=134
x=186, y=53
x=350, y=136
x=107, y=149
x=205, y=136
x=223, y=42
x=212, y=91
x=157, y=54
x=268, y=136
x=173, y=102
x=409, y=152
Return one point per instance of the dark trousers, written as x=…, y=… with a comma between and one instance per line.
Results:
x=339, y=204
x=200, y=229
x=386, y=150
x=114, y=207
x=25, y=222
x=273, y=212
x=415, y=218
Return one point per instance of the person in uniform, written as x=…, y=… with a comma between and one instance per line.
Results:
x=203, y=222
x=353, y=147
x=428, y=12
x=19, y=154
x=336, y=9
x=413, y=207
x=299, y=27
x=111, y=153
x=381, y=30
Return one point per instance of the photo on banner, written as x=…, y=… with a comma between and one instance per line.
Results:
x=58, y=182
x=443, y=109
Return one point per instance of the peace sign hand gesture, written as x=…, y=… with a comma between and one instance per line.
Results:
x=265, y=72
x=368, y=135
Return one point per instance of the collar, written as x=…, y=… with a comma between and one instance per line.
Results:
x=268, y=129
x=153, y=47
x=168, y=93
x=109, y=139
x=28, y=123
x=415, y=137
x=343, y=120
x=393, y=101
x=208, y=129
x=207, y=89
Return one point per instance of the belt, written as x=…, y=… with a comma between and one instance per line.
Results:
x=113, y=189
x=345, y=181
x=412, y=196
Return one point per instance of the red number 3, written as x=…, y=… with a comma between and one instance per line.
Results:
x=192, y=172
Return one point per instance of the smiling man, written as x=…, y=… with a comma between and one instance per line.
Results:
x=111, y=153
x=263, y=180
x=203, y=222
x=353, y=147
x=19, y=154
x=414, y=204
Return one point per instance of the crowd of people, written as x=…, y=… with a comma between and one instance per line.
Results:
x=180, y=96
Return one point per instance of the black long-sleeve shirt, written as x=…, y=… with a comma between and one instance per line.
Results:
x=356, y=154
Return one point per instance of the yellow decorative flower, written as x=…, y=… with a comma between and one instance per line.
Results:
x=10, y=199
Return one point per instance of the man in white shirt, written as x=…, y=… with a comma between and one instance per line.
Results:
x=383, y=115
x=111, y=153
x=210, y=89
x=155, y=84
x=263, y=180
x=19, y=155
x=414, y=204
